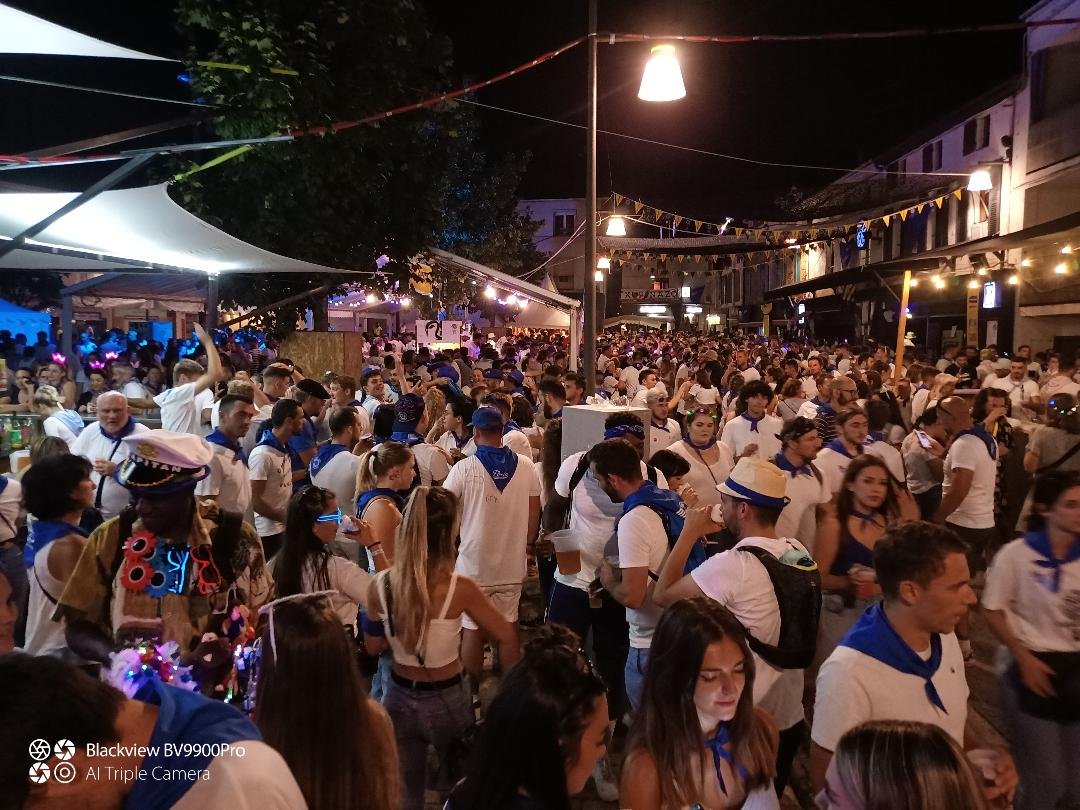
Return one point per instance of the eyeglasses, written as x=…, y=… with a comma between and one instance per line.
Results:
x=334, y=517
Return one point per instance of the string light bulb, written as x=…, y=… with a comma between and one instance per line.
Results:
x=489, y=292
x=371, y=298
x=914, y=283
x=603, y=263
x=938, y=282
x=662, y=79
x=511, y=300
x=1067, y=250
x=616, y=226
x=1026, y=263
x=406, y=302
x=1061, y=269
x=1014, y=279
x=973, y=285
x=598, y=275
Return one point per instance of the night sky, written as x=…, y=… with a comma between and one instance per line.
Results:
x=815, y=103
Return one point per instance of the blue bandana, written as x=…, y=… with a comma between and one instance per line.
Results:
x=124, y=431
x=619, y=431
x=460, y=441
x=43, y=532
x=838, y=446
x=366, y=497
x=753, y=422
x=867, y=519
x=500, y=462
x=874, y=436
x=220, y=439
x=873, y=635
x=324, y=454
x=720, y=754
x=511, y=425
x=663, y=426
x=1040, y=543
x=780, y=460
x=980, y=433
x=700, y=447
x=406, y=437
x=826, y=409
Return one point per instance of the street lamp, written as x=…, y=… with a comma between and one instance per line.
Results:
x=980, y=181
x=616, y=226
x=603, y=263
x=662, y=81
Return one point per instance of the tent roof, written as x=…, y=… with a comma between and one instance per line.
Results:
x=24, y=33
x=8, y=308
x=500, y=279
x=128, y=229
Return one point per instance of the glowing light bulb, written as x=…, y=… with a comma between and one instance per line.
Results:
x=406, y=303
x=616, y=227
x=662, y=79
x=603, y=263
x=489, y=292
x=1061, y=269
x=371, y=298
x=980, y=181
x=1014, y=279
x=598, y=275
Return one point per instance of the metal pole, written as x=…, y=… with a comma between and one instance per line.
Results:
x=901, y=326
x=589, y=336
x=104, y=184
x=212, y=302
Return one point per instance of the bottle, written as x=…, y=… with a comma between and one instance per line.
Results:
x=12, y=430
x=26, y=431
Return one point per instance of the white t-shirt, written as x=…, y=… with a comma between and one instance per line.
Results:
x=749, y=373
x=259, y=779
x=1018, y=392
x=809, y=387
x=704, y=396
x=275, y=468
x=494, y=525
x=54, y=427
x=10, y=500
x=853, y=688
x=228, y=482
x=592, y=518
x=919, y=402
x=737, y=435
x=917, y=461
x=339, y=476
x=643, y=543
x=808, y=409
x=630, y=375
x=251, y=438
x=976, y=511
x=92, y=444
x=661, y=438
x=181, y=410
x=1041, y=619
x=349, y=580
x=134, y=390
x=891, y=456
x=799, y=518
x=832, y=465
x=433, y=464
x=702, y=477
x=739, y=582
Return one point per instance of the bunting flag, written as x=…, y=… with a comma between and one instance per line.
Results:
x=940, y=201
x=919, y=208
x=697, y=225
x=618, y=199
x=959, y=193
x=678, y=220
x=903, y=215
x=638, y=206
x=886, y=219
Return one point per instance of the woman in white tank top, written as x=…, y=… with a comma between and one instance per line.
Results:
x=420, y=601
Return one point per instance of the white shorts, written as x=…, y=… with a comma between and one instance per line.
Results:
x=505, y=598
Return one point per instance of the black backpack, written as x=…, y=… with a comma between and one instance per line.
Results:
x=798, y=593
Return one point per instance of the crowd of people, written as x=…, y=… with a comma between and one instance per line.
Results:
x=306, y=580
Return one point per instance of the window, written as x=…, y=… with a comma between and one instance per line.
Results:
x=564, y=225
x=1053, y=84
x=981, y=206
x=565, y=278
x=931, y=157
x=976, y=134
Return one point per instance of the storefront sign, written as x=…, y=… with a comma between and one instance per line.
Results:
x=640, y=296
x=430, y=332
x=972, y=335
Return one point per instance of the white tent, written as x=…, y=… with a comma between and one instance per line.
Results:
x=24, y=33
x=18, y=319
x=130, y=228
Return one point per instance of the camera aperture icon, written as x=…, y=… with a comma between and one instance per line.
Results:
x=64, y=750
x=40, y=750
x=39, y=773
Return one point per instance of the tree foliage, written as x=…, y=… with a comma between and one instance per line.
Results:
x=344, y=198
x=31, y=290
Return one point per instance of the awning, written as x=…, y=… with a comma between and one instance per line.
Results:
x=853, y=275
x=130, y=229
x=1060, y=230
x=24, y=33
x=502, y=280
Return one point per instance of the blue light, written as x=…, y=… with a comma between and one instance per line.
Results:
x=184, y=78
x=860, y=235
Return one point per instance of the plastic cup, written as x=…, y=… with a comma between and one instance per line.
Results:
x=567, y=551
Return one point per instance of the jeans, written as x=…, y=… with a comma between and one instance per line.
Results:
x=1046, y=753
x=381, y=679
x=272, y=544
x=610, y=634
x=634, y=675
x=421, y=719
x=11, y=563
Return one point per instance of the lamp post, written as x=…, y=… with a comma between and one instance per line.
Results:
x=661, y=81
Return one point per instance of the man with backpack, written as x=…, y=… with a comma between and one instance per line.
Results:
x=168, y=568
x=770, y=584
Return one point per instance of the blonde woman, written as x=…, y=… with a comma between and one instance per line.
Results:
x=434, y=408
x=386, y=472
x=944, y=385
x=420, y=602
x=57, y=420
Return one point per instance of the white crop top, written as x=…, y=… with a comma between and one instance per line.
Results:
x=440, y=641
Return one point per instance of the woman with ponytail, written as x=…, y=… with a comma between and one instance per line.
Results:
x=385, y=472
x=420, y=601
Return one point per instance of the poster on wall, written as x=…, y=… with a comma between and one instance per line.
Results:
x=434, y=332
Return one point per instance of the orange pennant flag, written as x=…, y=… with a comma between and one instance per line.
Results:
x=637, y=207
x=959, y=193
x=903, y=215
x=678, y=220
x=886, y=219
x=940, y=201
x=919, y=208
x=697, y=224
x=618, y=200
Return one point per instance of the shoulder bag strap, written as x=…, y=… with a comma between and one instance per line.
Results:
x=1055, y=464
x=101, y=479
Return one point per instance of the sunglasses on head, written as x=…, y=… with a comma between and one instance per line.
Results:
x=707, y=411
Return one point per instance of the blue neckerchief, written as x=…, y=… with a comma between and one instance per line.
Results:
x=662, y=427
x=71, y=420
x=187, y=722
x=220, y=439
x=1040, y=543
x=753, y=422
x=500, y=462
x=923, y=388
x=324, y=454
x=511, y=425
x=872, y=635
x=868, y=518
x=700, y=447
x=874, y=436
x=781, y=461
x=406, y=437
x=817, y=401
x=556, y=414
x=650, y=495
x=826, y=408
x=268, y=439
x=838, y=446
x=43, y=532
x=124, y=431
x=367, y=496
x=720, y=754
x=354, y=404
x=460, y=441
x=979, y=432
